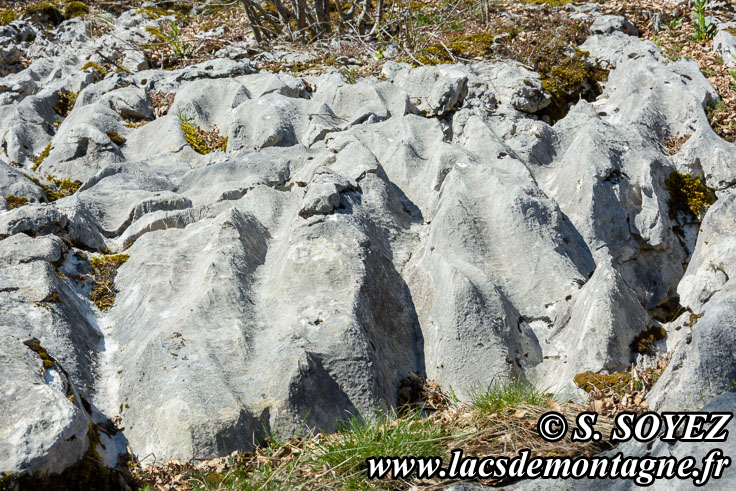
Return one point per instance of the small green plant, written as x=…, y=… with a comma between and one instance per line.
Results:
x=704, y=28
x=730, y=387
x=675, y=23
x=181, y=49
x=500, y=395
x=733, y=73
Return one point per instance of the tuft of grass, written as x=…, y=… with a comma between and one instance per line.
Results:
x=501, y=395
x=338, y=461
x=16, y=201
x=345, y=452
x=104, y=270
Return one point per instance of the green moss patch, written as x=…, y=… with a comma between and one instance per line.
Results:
x=66, y=102
x=38, y=160
x=645, y=342
x=60, y=188
x=202, y=141
x=569, y=80
x=688, y=195
x=35, y=346
x=116, y=138
x=157, y=34
x=546, y=40
x=6, y=17
x=97, y=67
x=177, y=9
x=104, y=270
x=618, y=383
x=64, y=187
x=75, y=9
x=468, y=46
x=552, y=3
x=16, y=201
x=44, y=13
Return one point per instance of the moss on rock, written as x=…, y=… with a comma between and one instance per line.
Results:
x=37, y=161
x=116, y=138
x=65, y=103
x=200, y=140
x=97, y=67
x=61, y=187
x=619, y=383
x=16, y=201
x=75, y=9
x=44, y=13
x=645, y=343
x=104, y=270
x=35, y=346
x=6, y=17
x=688, y=195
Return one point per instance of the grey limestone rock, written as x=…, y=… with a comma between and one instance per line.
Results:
x=346, y=236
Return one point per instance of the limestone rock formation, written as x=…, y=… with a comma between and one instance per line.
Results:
x=335, y=239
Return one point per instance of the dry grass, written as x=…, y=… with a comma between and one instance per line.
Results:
x=337, y=461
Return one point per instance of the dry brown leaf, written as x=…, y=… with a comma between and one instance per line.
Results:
x=553, y=405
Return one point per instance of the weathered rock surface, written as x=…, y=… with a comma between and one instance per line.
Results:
x=346, y=236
